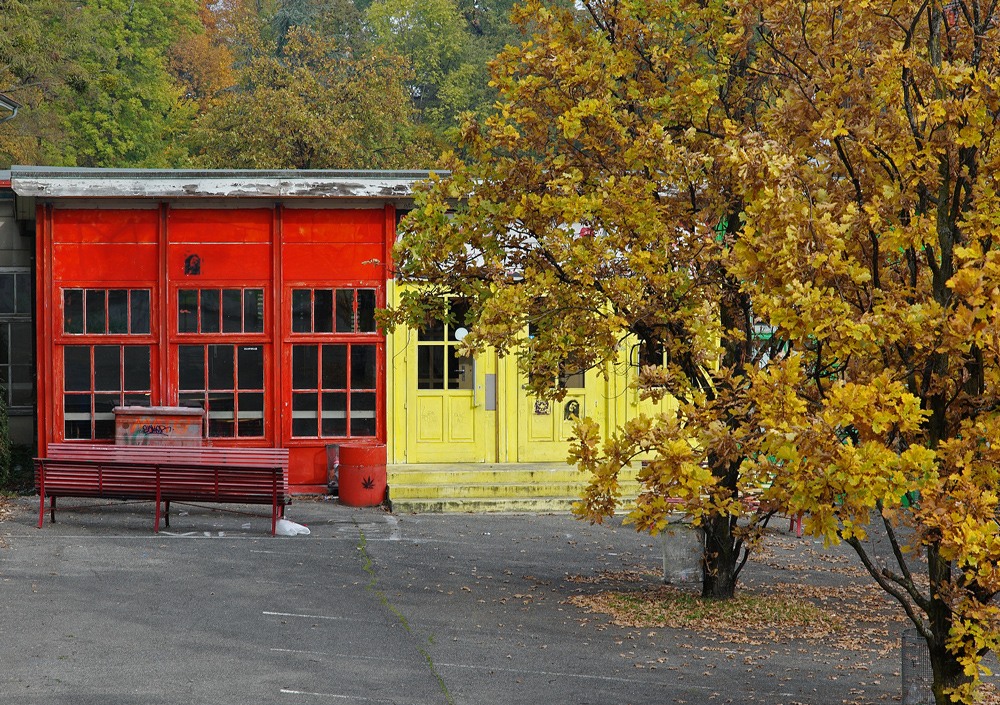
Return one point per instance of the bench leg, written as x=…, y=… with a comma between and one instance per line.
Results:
x=52, y=508
x=166, y=515
x=41, y=509
x=795, y=521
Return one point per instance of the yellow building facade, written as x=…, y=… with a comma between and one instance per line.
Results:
x=468, y=426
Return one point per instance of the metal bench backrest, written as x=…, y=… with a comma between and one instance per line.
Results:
x=193, y=456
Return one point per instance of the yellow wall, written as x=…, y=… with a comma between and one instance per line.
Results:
x=455, y=426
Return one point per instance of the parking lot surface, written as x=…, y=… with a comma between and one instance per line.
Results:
x=373, y=607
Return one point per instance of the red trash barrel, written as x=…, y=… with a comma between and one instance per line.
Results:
x=362, y=475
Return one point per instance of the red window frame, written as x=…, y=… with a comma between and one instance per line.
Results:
x=292, y=338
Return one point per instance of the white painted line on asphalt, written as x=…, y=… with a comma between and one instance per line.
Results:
x=304, y=616
x=359, y=698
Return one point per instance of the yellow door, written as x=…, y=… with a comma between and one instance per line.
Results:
x=544, y=427
x=445, y=410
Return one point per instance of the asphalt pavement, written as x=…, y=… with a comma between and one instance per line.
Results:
x=373, y=607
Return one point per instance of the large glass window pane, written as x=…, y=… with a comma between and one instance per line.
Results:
x=250, y=364
x=334, y=367
x=434, y=330
x=461, y=370
x=73, y=311
x=232, y=311
x=302, y=311
x=304, y=366
x=221, y=367
x=107, y=368
x=363, y=414
x=136, y=368
x=20, y=344
x=5, y=330
x=430, y=367
x=362, y=367
x=345, y=310
x=460, y=311
x=191, y=367
x=104, y=415
x=118, y=311
x=192, y=401
x=140, y=312
x=209, y=310
x=76, y=368
x=77, y=416
x=96, y=308
x=366, y=310
x=253, y=311
x=187, y=311
x=22, y=293
x=22, y=385
x=250, y=421
x=651, y=353
x=137, y=399
x=335, y=413
x=221, y=412
x=324, y=310
x=573, y=380
x=304, y=414
x=7, y=292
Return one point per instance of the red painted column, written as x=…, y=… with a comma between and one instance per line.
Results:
x=167, y=394
x=278, y=401
x=44, y=314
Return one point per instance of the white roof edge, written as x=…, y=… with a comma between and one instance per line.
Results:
x=72, y=182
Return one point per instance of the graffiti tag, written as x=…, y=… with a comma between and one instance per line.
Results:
x=154, y=429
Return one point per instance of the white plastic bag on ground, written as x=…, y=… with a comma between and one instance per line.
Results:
x=290, y=528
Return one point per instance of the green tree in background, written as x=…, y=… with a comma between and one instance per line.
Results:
x=125, y=108
x=312, y=105
x=146, y=83
x=433, y=35
x=94, y=81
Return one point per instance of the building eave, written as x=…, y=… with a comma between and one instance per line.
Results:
x=46, y=183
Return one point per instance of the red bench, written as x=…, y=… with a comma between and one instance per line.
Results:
x=164, y=474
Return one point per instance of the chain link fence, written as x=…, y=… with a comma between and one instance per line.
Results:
x=917, y=674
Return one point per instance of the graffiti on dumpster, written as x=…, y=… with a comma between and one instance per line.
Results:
x=144, y=428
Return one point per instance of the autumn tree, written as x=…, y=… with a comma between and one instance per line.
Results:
x=596, y=207
x=201, y=59
x=872, y=207
x=310, y=102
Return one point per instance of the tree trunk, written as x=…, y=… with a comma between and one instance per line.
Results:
x=719, y=556
x=948, y=672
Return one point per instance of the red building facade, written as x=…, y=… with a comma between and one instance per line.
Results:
x=248, y=294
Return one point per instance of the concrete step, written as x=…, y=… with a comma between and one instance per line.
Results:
x=491, y=487
x=486, y=473
x=498, y=489
x=481, y=505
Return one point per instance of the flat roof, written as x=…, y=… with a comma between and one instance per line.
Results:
x=45, y=182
